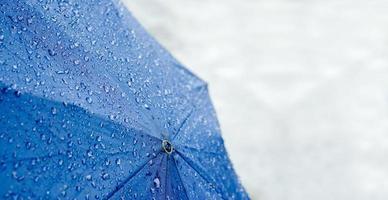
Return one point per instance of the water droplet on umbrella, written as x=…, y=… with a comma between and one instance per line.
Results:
x=89, y=100
x=88, y=177
x=28, y=79
x=156, y=182
x=51, y=52
x=43, y=137
x=89, y=28
x=89, y=153
x=118, y=161
x=28, y=145
x=105, y=176
x=53, y=111
x=17, y=93
x=107, y=162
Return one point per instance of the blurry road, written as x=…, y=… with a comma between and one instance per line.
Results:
x=300, y=87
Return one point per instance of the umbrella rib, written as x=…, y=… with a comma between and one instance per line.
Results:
x=180, y=178
x=192, y=165
x=160, y=166
x=202, y=89
x=122, y=184
x=182, y=124
x=165, y=180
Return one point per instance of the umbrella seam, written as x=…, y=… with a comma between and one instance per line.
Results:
x=182, y=124
x=206, y=179
x=122, y=184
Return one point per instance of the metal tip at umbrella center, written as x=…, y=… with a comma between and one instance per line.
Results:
x=167, y=146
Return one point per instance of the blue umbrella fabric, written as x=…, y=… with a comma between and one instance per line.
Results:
x=92, y=107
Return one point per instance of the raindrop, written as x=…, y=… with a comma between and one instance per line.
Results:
x=129, y=82
x=28, y=79
x=118, y=161
x=77, y=62
x=17, y=93
x=105, y=176
x=70, y=144
x=111, y=117
x=43, y=137
x=28, y=145
x=52, y=52
x=54, y=111
x=62, y=72
x=89, y=28
x=89, y=153
x=88, y=177
x=76, y=44
x=156, y=182
x=107, y=162
x=99, y=138
x=60, y=162
x=146, y=106
x=106, y=88
x=89, y=100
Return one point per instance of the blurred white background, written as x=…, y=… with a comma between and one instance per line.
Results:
x=300, y=87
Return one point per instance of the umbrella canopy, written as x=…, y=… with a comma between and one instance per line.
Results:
x=92, y=107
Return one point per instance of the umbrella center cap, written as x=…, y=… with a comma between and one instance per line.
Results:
x=167, y=146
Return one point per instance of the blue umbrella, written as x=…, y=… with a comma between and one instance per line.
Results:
x=92, y=107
